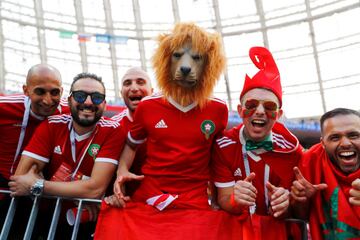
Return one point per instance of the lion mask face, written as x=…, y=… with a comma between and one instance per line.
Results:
x=188, y=63
x=186, y=66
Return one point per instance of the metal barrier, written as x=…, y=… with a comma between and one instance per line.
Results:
x=303, y=226
x=56, y=214
x=34, y=211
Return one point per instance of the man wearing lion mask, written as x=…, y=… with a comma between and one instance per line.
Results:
x=180, y=125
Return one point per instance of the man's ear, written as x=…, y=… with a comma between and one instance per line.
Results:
x=105, y=105
x=322, y=142
x=25, y=90
x=280, y=113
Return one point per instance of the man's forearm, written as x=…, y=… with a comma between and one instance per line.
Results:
x=80, y=189
x=26, y=163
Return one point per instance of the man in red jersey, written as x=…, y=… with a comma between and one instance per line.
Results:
x=21, y=114
x=179, y=126
x=84, y=146
x=326, y=190
x=78, y=153
x=136, y=85
x=253, y=162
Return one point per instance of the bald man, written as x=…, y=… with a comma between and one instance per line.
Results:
x=136, y=84
x=22, y=113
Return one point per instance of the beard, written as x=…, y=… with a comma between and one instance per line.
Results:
x=85, y=122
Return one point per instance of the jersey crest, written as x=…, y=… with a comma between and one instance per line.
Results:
x=93, y=150
x=207, y=127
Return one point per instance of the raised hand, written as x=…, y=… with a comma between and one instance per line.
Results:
x=355, y=192
x=302, y=190
x=279, y=199
x=244, y=192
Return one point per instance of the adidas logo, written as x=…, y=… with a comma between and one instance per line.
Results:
x=237, y=172
x=161, y=124
x=57, y=150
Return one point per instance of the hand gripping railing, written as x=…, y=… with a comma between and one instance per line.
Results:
x=35, y=208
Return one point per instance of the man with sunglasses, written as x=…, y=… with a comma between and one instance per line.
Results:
x=80, y=151
x=22, y=113
x=252, y=163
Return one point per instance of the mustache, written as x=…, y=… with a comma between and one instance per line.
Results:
x=87, y=107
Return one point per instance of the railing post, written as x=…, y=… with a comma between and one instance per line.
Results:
x=55, y=219
x=9, y=218
x=32, y=218
x=77, y=220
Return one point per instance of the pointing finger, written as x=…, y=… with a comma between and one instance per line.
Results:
x=298, y=173
x=320, y=186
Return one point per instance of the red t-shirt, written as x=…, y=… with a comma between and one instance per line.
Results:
x=228, y=161
x=12, y=110
x=125, y=121
x=51, y=143
x=179, y=141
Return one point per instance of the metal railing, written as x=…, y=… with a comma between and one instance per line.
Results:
x=56, y=214
x=34, y=212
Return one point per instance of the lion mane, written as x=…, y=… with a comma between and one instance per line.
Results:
x=208, y=45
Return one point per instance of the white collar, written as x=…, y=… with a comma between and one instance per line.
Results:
x=128, y=115
x=82, y=137
x=181, y=108
x=38, y=117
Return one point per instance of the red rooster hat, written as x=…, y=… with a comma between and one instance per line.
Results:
x=268, y=77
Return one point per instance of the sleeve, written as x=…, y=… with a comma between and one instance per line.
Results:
x=223, y=114
x=40, y=145
x=221, y=173
x=112, y=147
x=137, y=134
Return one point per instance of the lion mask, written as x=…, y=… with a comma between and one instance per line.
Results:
x=188, y=63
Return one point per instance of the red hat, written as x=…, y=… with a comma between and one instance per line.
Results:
x=268, y=77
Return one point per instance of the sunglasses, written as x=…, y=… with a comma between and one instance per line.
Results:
x=268, y=105
x=81, y=96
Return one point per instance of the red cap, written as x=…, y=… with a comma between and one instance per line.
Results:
x=268, y=77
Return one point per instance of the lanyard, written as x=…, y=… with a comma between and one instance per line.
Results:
x=266, y=177
x=73, y=149
x=23, y=130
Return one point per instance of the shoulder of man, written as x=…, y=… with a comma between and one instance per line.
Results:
x=106, y=122
x=228, y=139
x=217, y=101
x=119, y=117
x=283, y=140
x=59, y=119
x=12, y=106
x=12, y=99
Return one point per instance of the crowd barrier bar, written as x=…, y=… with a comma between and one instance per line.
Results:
x=55, y=218
x=35, y=208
